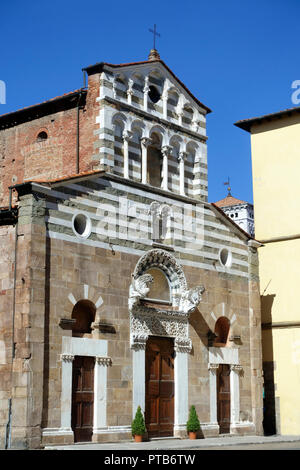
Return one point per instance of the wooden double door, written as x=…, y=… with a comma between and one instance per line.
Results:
x=83, y=398
x=159, y=410
x=223, y=398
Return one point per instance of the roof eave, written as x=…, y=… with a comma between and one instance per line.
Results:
x=36, y=111
x=247, y=124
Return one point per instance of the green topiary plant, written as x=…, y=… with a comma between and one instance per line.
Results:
x=193, y=424
x=138, y=427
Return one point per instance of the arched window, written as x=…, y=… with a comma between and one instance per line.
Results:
x=187, y=115
x=159, y=289
x=190, y=173
x=135, y=151
x=173, y=98
x=118, y=123
x=156, y=82
x=154, y=161
x=42, y=136
x=84, y=314
x=138, y=89
x=222, y=332
x=121, y=87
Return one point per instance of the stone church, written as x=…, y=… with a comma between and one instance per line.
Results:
x=120, y=285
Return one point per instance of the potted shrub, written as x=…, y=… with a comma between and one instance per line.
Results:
x=193, y=424
x=138, y=427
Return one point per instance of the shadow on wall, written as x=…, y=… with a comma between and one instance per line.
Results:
x=270, y=423
x=200, y=326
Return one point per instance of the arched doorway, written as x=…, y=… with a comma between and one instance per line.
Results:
x=167, y=320
x=223, y=398
x=222, y=328
x=82, y=415
x=160, y=387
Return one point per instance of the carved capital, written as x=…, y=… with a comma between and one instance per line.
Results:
x=146, y=141
x=127, y=135
x=103, y=361
x=138, y=341
x=67, y=357
x=166, y=150
x=183, y=345
x=236, y=368
x=213, y=367
x=182, y=156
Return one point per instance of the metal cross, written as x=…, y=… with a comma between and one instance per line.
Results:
x=154, y=34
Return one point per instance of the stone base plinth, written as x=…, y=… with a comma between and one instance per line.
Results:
x=112, y=434
x=57, y=437
x=243, y=429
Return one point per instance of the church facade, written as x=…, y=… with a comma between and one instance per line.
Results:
x=121, y=286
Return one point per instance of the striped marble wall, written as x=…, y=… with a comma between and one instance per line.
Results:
x=127, y=112
x=123, y=216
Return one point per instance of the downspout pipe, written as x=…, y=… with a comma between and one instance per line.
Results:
x=77, y=135
x=77, y=129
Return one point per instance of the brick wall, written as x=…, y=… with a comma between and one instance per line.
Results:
x=23, y=158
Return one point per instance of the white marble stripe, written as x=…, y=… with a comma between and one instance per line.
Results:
x=141, y=206
x=219, y=237
x=115, y=233
x=155, y=197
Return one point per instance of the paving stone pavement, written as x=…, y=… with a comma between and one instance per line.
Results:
x=171, y=444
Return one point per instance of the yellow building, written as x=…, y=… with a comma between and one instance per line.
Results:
x=275, y=145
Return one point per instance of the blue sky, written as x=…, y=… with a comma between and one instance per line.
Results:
x=237, y=57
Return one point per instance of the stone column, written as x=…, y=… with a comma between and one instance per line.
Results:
x=145, y=142
x=234, y=394
x=146, y=90
x=139, y=376
x=166, y=150
x=126, y=137
x=165, y=104
x=181, y=159
x=66, y=392
x=213, y=392
x=130, y=91
x=181, y=392
x=180, y=116
x=100, y=392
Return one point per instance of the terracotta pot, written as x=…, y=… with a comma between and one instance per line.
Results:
x=192, y=435
x=138, y=438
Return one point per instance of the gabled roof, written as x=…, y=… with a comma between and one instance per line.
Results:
x=100, y=66
x=229, y=201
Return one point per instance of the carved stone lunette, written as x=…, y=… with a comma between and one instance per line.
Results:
x=172, y=322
